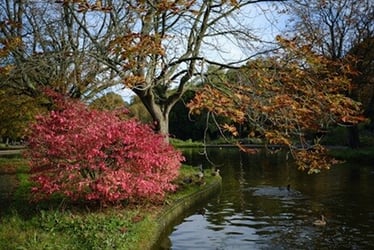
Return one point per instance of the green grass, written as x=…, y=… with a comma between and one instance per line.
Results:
x=12, y=164
x=54, y=229
x=188, y=143
x=57, y=224
x=186, y=189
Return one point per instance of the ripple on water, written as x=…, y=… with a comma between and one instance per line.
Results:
x=257, y=214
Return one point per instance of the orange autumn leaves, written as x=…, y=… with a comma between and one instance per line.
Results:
x=286, y=98
x=133, y=46
x=221, y=102
x=8, y=44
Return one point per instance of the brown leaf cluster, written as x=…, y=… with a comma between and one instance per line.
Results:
x=285, y=99
x=134, y=48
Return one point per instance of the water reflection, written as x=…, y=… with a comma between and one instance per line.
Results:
x=256, y=211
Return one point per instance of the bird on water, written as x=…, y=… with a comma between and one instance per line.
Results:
x=321, y=222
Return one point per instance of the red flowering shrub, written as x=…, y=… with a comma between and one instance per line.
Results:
x=94, y=155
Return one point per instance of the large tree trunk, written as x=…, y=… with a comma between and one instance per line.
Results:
x=162, y=125
x=159, y=112
x=161, y=121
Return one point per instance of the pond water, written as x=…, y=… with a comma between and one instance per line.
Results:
x=254, y=209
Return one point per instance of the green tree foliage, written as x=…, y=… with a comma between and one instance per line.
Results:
x=364, y=81
x=110, y=101
x=138, y=110
x=184, y=126
x=203, y=126
x=16, y=112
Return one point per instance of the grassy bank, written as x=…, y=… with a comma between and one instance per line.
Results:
x=185, y=144
x=59, y=225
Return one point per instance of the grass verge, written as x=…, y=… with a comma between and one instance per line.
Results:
x=185, y=144
x=56, y=225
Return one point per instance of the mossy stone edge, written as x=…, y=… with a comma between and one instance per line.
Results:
x=170, y=214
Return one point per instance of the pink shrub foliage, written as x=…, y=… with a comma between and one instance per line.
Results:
x=97, y=156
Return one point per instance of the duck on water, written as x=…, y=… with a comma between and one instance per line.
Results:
x=320, y=223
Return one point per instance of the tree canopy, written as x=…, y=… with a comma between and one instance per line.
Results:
x=284, y=98
x=334, y=28
x=42, y=45
x=16, y=111
x=109, y=101
x=161, y=49
x=167, y=48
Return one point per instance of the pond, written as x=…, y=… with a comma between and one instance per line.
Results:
x=254, y=209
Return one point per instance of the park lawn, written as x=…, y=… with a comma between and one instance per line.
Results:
x=55, y=224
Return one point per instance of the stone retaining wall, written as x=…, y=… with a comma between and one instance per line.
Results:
x=179, y=207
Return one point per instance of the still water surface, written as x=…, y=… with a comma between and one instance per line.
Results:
x=255, y=211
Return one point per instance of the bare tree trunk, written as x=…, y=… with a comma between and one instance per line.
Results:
x=159, y=112
x=162, y=126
